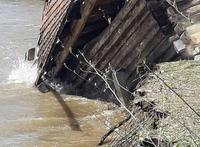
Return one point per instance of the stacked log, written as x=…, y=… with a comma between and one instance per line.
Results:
x=119, y=34
x=185, y=19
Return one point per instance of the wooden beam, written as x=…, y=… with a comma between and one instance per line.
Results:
x=111, y=35
x=75, y=32
x=151, y=41
x=121, y=78
x=102, y=2
x=131, y=50
x=106, y=2
x=159, y=51
x=169, y=55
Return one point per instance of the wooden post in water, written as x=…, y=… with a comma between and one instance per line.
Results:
x=121, y=93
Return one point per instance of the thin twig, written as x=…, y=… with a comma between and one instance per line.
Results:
x=115, y=95
x=112, y=130
x=176, y=8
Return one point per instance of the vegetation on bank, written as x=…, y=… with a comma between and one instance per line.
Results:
x=162, y=118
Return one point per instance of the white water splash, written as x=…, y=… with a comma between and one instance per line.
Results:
x=23, y=72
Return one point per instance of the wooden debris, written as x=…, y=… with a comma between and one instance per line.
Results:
x=119, y=82
x=42, y=87
x=197, y=58
x=184, y=37
x=173, y=38
x=179, y=28
x=31, y=54
x=179, y=46
x=195, y=38
x=112, y=130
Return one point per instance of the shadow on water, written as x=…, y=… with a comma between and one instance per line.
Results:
x=72, y=120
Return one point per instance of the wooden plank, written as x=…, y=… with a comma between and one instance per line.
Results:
x=89, y=5
x=136, y=43
x=179, y=46
x=136, y=61
x=139, y=49
x=99, y=13
x=106, y=54
x=132, y=40
x=169, y=54
x=155, y=39
x=107, y=36
x=109, y=30
x=159, y=51
x=123, y=95
x=152, y=44
x=117, y=60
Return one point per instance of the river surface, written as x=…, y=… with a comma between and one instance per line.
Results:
x=27, y=117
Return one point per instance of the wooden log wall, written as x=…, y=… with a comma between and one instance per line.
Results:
x=121, y=35
x=147, y=32
x=132, y=36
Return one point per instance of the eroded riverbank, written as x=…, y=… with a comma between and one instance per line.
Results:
x=27, y=117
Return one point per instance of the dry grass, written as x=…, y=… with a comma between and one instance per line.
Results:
x=184, y=78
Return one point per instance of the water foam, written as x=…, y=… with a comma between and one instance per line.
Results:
x=23, y=72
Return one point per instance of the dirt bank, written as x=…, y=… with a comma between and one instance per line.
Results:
x=180, y=126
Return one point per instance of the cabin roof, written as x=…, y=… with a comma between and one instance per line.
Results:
x=54, y=14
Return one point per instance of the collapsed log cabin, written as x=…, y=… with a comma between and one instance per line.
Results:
x=113, y=33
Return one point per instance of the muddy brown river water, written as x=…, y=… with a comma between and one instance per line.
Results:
x=27, y=117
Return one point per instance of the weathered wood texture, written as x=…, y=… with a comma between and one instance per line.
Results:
x=119, y=80
x=115, y=36
x=60, y=28
x=124, y=44
x=111, y=33
x=54, y=13
x=80, y=24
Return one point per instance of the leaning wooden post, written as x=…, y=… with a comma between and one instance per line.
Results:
x=120, y=79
